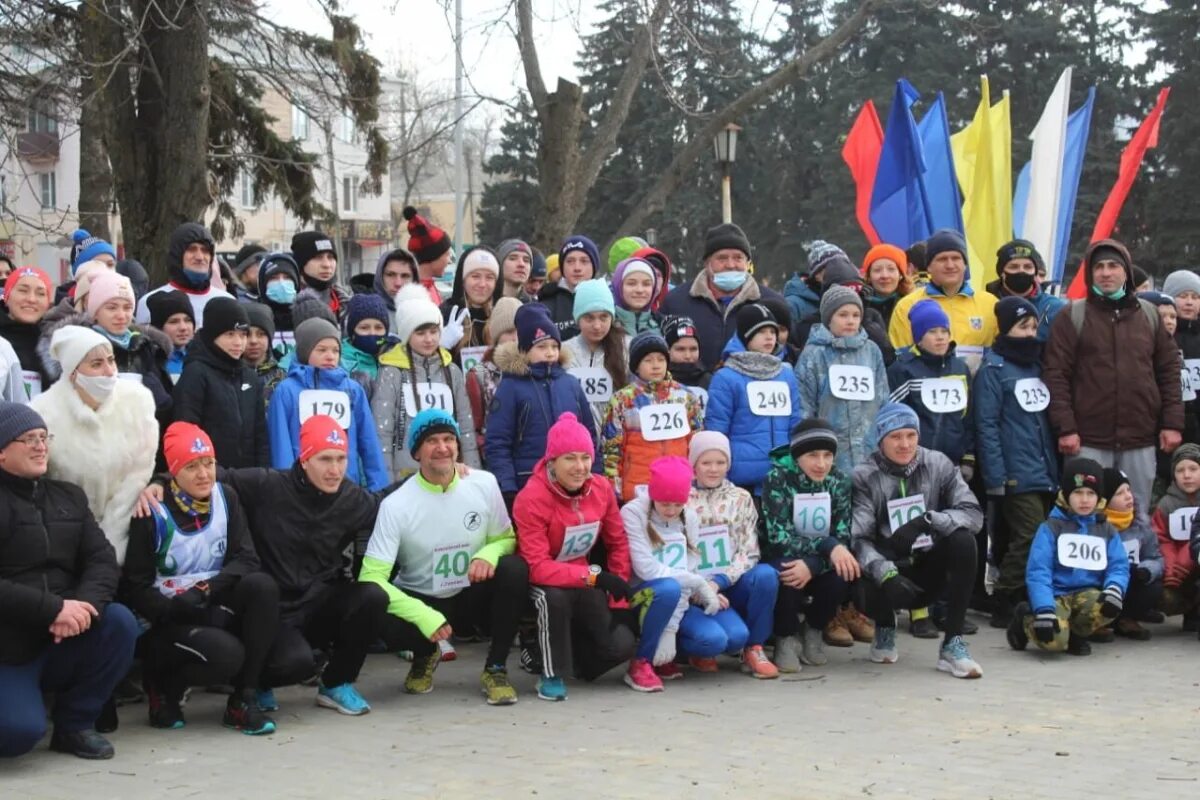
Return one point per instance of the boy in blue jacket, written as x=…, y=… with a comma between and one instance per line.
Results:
x=316, y=385
x=1077, y=572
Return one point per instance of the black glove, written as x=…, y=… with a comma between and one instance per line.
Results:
x=614, y=584
x=1045, y=626
x=901, y=592
x=1111, y=602
x=907, y=533
x=1141, y=575
x=189, y=608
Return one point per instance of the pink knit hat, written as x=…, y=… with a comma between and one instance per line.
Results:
x=568, y=436
x=670, y=479
x=108, y=286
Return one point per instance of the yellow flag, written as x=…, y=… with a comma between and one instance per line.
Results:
x=983, y=162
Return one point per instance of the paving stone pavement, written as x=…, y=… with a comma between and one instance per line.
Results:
x=1123, y=723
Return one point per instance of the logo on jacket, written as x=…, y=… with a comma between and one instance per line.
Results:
x=472, y=521
x=977, y=323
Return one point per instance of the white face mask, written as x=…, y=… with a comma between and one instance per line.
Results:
x=98, y=387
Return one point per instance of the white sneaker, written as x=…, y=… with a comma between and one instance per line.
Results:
x=786, y=655
x=812, y=650
x=883, y=649
x=956, y=659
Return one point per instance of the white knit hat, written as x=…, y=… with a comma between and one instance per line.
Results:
x=477, y=259
x=71, y=344
x=414, y=309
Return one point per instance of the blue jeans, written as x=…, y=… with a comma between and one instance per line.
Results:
x=753, y=597
x=81, y=671
x=655, y=601
x=703, y=636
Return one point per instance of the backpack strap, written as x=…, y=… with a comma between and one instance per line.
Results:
x=1079, y=308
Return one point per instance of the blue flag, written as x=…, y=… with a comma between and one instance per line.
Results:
x=899, y=203
x=941, y=182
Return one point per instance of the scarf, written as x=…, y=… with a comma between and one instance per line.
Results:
x=759, y=366
x=1119, y=519
x=120, y=341
x=1026, y=352
x=189, y=505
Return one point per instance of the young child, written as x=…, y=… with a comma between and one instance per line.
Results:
x=753, y=400
x=634, y=286
x=684, y=356
x=1077, y=572
x=1186, y=333
x=782, y=312
x=1172, y=524
x=534, y=392
x=807, y=510
x=662, y=548
x=484, y=377
x=1145, y=558
x=596, y=357
x=728, y=550
x=1018, y=452
x=842, y=377
x=171, y=312
x=317, y=386
x=418, y=373
x=220, y=393
x=259, y=354
x=642, y=422
x=934, y=382
x=364, y=338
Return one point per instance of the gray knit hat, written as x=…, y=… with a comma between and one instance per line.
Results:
x=311, y=331
x=1181, y=280
x=834, y=298
x=307, y=305
x=17, y=419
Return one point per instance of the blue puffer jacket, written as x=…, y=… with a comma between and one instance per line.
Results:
x=751, y=437
x=852, y=420
x=952, y=433
x=528, y=400
x=1047, y=579
x=803, y=301
x=1015, y=448
x=364, y=459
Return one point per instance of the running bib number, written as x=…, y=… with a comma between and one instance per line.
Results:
x=1186, y=385
x=672, y=555
x=450, y=564
x=471, y=356
x=1080, y=551
x=326, y=402
x=578, y=541
x=1192, y=367
x=848, y=382
x=811, y=514
x=1180, y=526
x=769, y=398
x=701, y=396
x=1133, y=549
x=32, y=382
x=596, y=382
x=905, y=509
x=663, y=422
x=714, y=547
x=944, y=395
x=1032, y=394
x=431, y=395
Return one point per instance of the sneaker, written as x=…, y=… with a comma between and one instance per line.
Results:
x=420, y=674
x=165, y=711
x=812, y=651
x=836, y=634
x=702, y=664
x=787, y=654
x=1015, y=633
x=923, y=628
x=1078, y=646
x=551, y=688
x=641, y=677
x=448, y=653
x=1103, y=635
x=265, y=698
x=243, y=715
x=955, y=658
x=756, y=664
x=670, y=671
x=860, y=627
x=343, y=699
x=883, y=647
x=84, y=744
x=496, y=687
x=1130, y=629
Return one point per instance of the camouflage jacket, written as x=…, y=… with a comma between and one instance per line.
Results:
x=784, y=539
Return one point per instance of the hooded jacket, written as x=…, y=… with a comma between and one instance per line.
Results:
x=365, y=465
x=872, y=322
x=1046, y=578
x=1116, y=383
x=634, y=322
x=51, y=550
x=627, y=453
x=801, y=298
x=225, y=398
x=852, y=420
x=199, y=294
x=716, y=320
x=732, y=506
x=527, y=402
x=1015, y=448
x=782, y=541
x=952, y=433
x=1141, y=543
x=950, y=504
x=1175, y=551
x=399, y=254
x=272, y=265
x=560, y=302
x=399, y=369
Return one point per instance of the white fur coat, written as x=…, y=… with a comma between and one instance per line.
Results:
x=109, y=452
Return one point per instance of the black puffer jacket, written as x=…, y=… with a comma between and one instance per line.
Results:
x=561, y=304
x=24, y=340
x=225, y=398
x=51, y=549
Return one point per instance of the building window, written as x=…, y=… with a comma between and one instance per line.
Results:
x=48, y=190
x=299, y=123
x=40, y=122
x=350, y=193
x=347, y=123
x=246, y=184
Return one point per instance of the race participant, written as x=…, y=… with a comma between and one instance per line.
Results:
x=578, y=261
x=394, y=270
x=516, y=270
x=1144, y=594
x=634, y=287
x=171, y=313
x=316, y=257
x=684, y=363
x=483, y=378
x=278, y=284
x=27, y=293
x=259, y=354
x=538, y=272
x=1021, y=270
x=190, y=257
x=885, y=271
x=466, y=311
x=597, y=355
x=430, y=246
x=1173, y=523
x=365, y=336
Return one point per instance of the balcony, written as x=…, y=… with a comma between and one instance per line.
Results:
x=38, y=147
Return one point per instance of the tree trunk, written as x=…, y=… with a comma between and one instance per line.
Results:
x=95, y=175
x=558, y=167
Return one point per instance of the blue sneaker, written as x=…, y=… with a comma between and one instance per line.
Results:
x=883, y=649
x=551, y=688
x=343, y=699
x=955, y=658
x=266, y=700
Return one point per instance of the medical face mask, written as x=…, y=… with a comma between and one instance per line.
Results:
x=729, y=281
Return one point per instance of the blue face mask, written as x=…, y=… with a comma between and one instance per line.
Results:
x=729, y=281
x=367, y=343
x=281, y=292
x=196, y=278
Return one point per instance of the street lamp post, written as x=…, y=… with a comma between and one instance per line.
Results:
x=725, y=145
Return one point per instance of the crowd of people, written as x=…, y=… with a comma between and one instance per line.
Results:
x=252, y=477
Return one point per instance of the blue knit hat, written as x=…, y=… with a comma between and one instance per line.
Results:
x=580, y=242
x=534, y=325
x=366, y=306
x=593, y=295
x=894, y=417
x=924, y=317
x=17, y=419
x=86, y=247
x=429, y=422
x=945, y=240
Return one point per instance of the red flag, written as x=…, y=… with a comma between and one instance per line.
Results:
x=1131, y=162
x=861, y=154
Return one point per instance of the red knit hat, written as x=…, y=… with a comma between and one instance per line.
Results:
x=319, y=433
x=27, y=272
x=670, y=479
x=425, y=241
x=183, y=443
x=568, y=436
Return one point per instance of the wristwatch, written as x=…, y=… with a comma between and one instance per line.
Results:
x=593, y=573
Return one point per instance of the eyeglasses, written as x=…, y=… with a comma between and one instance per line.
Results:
x=36, y=439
